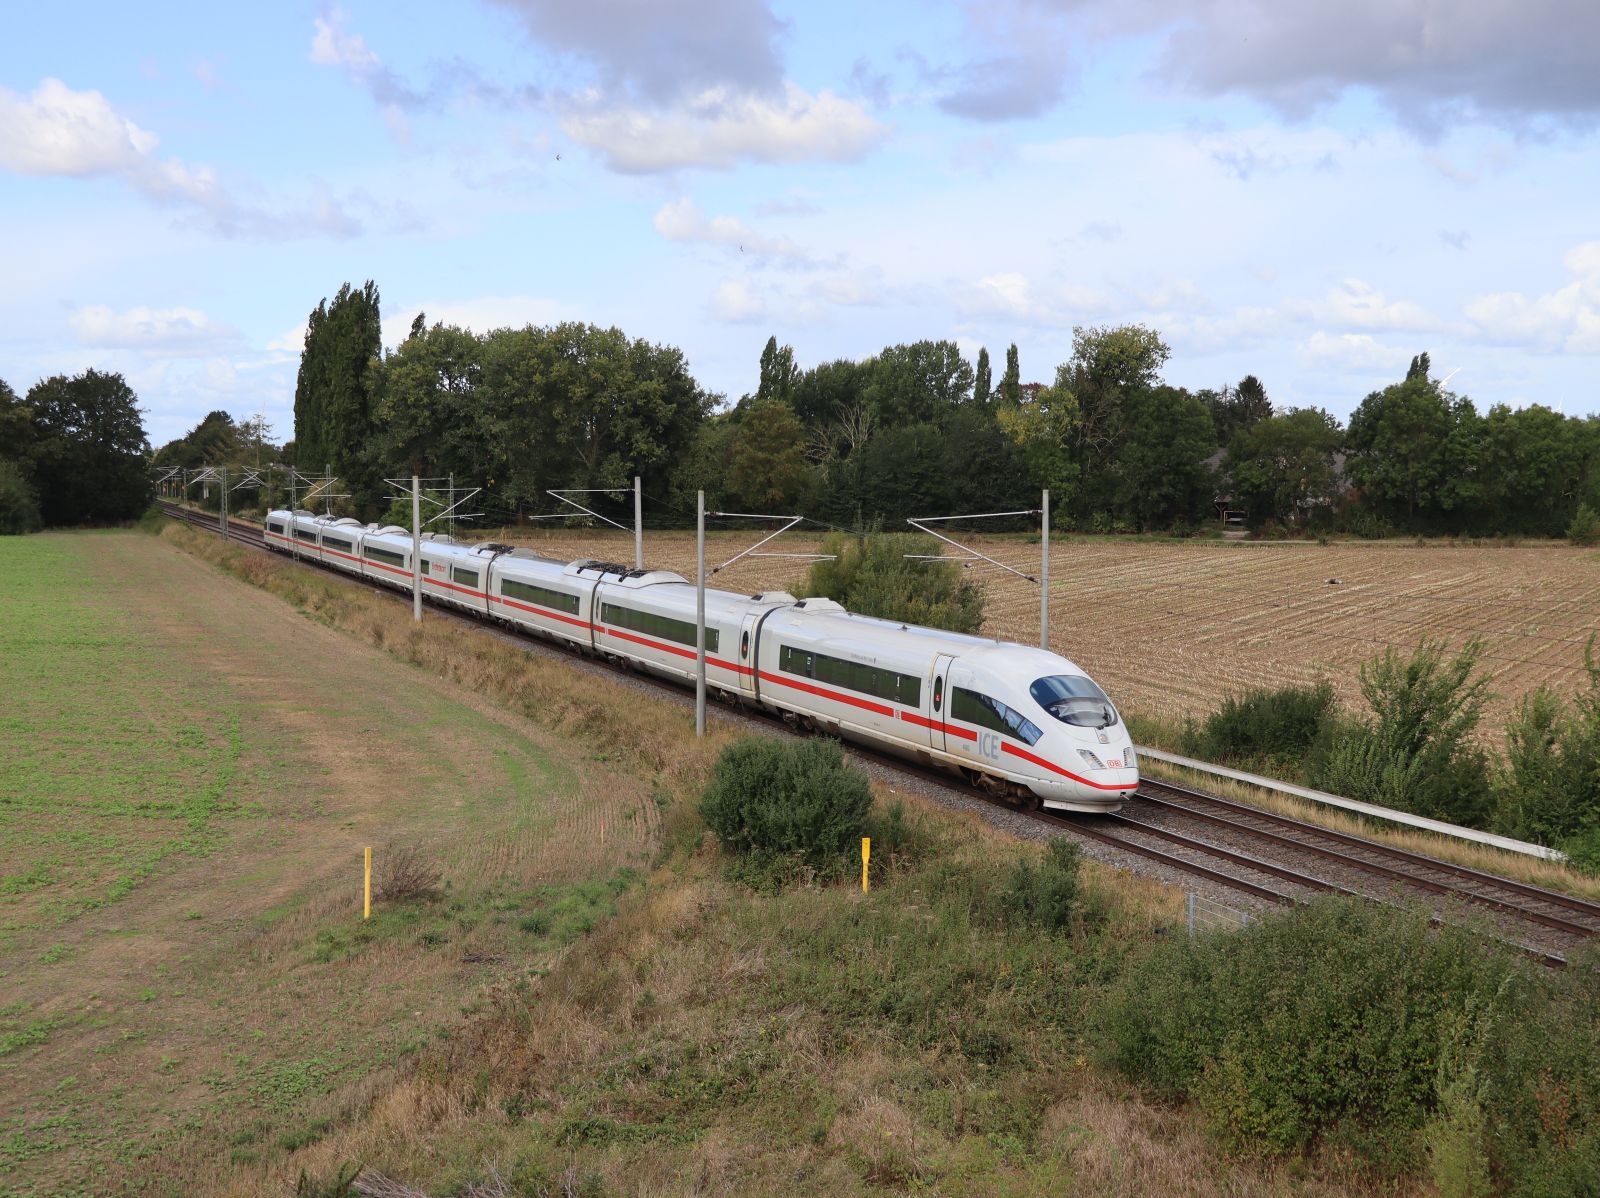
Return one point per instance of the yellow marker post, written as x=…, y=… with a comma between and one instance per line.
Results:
x=866, y=854
x=366, y=889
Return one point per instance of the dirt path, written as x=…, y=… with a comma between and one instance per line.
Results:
x=228, y=998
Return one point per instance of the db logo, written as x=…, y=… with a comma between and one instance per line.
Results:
x=989, y=745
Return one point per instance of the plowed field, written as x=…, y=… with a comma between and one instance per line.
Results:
x=1170, y=627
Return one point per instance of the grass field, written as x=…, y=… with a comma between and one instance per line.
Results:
x=1170, y=627
x=189, y=769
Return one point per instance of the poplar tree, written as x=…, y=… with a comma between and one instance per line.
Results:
x=333, y=396
x=982, y=382
x=1011, y=382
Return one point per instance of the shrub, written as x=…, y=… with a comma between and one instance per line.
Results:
x=1045, y=895
x=1278, y=726
x=1331, y=1015
x=1585, y=526
x=1549, y=790
x=1417, y=753
x=402, y=874
x=794, y=799
x=19, y=506
x=872, y=575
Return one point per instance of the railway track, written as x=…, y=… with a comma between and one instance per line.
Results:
x=1272, y=858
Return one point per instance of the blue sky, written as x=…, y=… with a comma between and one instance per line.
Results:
x=1308, y=192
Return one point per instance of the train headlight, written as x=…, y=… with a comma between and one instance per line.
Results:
x=1129, y=758
x=1094, y=762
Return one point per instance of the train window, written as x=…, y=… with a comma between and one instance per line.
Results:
x=335, y=543
x=938, y=693
x=1074, y=699
x=744, y=646
x=990, y=713
x=274, y=526
x=306, y=534
x=852, y=675
x=651, y=624
x=467, y=578
x=559, y=600
x=386, y=556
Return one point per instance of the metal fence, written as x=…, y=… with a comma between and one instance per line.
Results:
x=1208, y=916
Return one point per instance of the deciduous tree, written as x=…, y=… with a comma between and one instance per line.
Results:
x=767, y=469
x=1285, y=467
x=89, y=457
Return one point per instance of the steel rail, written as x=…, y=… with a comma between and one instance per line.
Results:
x=1415, y=860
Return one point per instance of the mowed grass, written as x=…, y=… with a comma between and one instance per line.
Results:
x=111, y=761
x=189, y=770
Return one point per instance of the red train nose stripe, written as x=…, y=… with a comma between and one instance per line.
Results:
x=1056, y=769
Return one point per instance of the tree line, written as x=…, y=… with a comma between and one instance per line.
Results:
x=917, y=429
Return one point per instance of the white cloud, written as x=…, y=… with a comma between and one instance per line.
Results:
x=481, y=314
x=1355, y=304
x=682, y=220
x=735, y=302
x=60, y=131
x=1011, y=295
x=166, y=331
x=331, y=46
x=1565, y=319
x=720, y=128
x=1352, y=351
x=291, y=342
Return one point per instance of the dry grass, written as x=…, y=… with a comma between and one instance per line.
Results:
x=648, y=737
x=1170, y=628
x=684, y=990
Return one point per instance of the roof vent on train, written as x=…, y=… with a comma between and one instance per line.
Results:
x=772, y=597
x=385, y=529
x=820, y=605
x=626, y=575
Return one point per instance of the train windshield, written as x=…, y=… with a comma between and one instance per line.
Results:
x=1074, y=699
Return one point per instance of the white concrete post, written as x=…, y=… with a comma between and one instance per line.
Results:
x=1044, y=574
x=700, y=614
x=638, y=524
x=416, y=548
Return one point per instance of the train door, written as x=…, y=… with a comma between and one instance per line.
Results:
x=938, y=699
x=747, y=662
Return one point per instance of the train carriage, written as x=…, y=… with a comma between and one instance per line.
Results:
x=1019, y=721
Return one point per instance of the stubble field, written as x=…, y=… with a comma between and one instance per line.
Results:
x=1169, y=628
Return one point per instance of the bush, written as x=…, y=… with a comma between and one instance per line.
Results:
x=872, y=575
x=1417, y=753
x=19, y=506
x=1331, y=1015
x=793, y=799
x=1045, y=895
x=401, y=874
x=1276, y=726
x=1549, y=790
x=1585, y=526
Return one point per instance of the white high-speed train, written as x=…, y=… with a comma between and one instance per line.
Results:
x=1018, y=721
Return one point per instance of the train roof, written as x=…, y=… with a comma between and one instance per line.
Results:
x=825, y=623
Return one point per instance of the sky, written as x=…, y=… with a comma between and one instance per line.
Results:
x=1304, y=191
